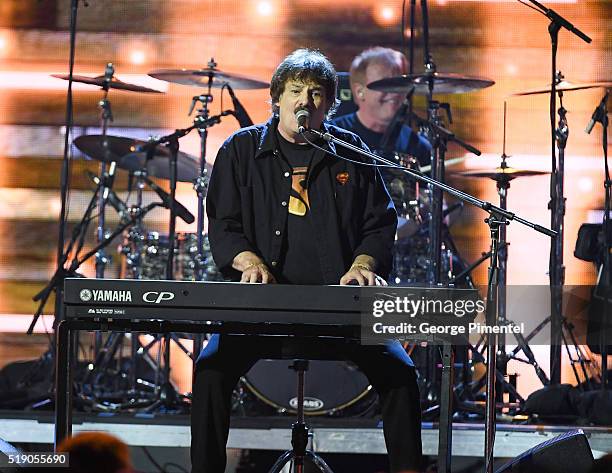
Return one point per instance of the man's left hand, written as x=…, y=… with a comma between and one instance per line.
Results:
x=362, y=276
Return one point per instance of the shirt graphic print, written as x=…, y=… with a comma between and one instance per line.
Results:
x=298, y=198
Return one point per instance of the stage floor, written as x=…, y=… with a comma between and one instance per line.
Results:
x=359, y=436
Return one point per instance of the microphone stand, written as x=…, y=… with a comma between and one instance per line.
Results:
x=601, y=116
x=65, y=172
x=557, y=200
x=497, y=218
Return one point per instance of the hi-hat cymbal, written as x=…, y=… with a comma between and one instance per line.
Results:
x=125, y=151
x=114, y=84
x=565, y=86
x=500, y=174
x=201, y=77
x=443, y=83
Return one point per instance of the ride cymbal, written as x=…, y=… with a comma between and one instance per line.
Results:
x=202, y=77
x=129, y=154
x=565, y=86
x=443, y=83
x=498, y=174
x=114, y=83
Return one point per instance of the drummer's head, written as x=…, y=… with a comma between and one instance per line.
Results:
x=376, y=109
x=305, y=79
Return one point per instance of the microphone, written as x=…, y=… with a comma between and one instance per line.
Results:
x=239, y=111
x=178, y=208
x=302, y=117
x=113, y=199
x=598, y=114
x=109, y=71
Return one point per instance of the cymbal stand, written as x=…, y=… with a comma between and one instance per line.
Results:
x=201, y=183
x=106, y=175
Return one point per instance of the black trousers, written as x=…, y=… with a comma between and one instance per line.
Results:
x=226, y=358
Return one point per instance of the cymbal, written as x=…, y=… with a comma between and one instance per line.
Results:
x=565, y=86
x=125, y=152
x=499, y=174
x=444, y=83
x=200, y=78
x=114, y=83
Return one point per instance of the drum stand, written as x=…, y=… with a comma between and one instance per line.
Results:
x=299, y=432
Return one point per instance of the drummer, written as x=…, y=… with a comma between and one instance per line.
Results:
x=377, y=109
x=372, y=121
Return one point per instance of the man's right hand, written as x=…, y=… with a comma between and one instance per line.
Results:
x=253, y=269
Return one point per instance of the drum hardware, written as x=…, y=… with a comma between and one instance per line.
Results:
x=209, y=78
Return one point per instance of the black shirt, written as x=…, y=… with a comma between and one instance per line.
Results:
x=407, y=141
x=300, y=261
x=248, y=196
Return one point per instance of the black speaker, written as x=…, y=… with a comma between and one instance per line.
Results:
x=568, y=453
x=345, y=95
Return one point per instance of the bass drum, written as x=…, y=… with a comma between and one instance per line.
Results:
x=330, y=387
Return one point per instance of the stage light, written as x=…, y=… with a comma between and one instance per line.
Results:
x=385, y=15
x=585, y=184
x=137, y=57
x=511, y=69
x=2, y=43
x=264, y=8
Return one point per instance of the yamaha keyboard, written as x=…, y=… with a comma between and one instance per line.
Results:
x=185, y=306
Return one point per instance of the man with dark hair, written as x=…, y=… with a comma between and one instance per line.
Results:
x=377, y=109
x=283, y=211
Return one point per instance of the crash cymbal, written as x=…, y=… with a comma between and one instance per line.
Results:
x=188, y=166
x=565, y=86
x=498, y=174
x=444, y=83
x=200, y=78
x=114, y=83
x=125, y=151
x=118, y=146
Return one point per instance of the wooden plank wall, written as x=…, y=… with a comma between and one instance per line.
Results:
x=502, y=40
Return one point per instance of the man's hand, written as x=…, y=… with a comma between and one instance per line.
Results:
x=253, y=268
x=362, y=272
x=257, y=272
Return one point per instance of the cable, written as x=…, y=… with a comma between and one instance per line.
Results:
x=175, y=465
x=152, y=460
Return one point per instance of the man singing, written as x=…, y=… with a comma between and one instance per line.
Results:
x=283, y=211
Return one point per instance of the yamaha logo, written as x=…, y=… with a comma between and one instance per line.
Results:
x=85, y=295
x=310, y=403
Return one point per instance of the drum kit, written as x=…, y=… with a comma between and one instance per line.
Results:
x=150, y=255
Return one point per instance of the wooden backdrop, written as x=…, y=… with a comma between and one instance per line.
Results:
x=502, y=40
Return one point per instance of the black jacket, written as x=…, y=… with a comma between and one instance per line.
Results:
x=249, y=190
